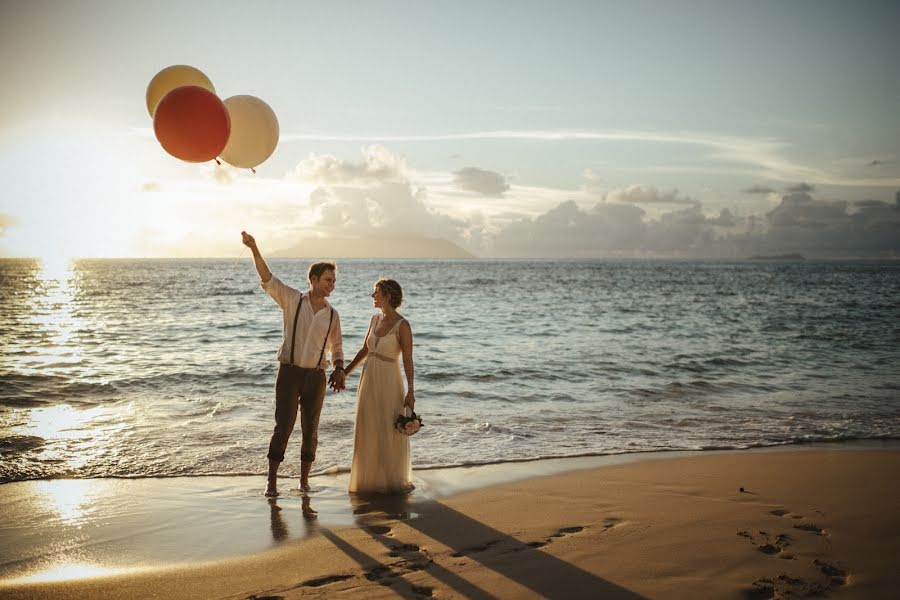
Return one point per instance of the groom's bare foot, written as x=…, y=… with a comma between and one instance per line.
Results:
x=271, y=490
x=304, y=487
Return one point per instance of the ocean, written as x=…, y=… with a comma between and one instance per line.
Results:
x=163, y=368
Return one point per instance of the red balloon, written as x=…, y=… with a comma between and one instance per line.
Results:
x=192, y=124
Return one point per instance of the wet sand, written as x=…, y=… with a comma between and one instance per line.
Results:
x=809, y=522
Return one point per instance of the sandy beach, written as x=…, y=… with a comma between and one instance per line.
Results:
x=808, y=522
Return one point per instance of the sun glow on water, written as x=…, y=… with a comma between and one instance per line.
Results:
x=52, y=313
x=70, y=571
x=56, y=266
x=60, y=422
x=70, y=499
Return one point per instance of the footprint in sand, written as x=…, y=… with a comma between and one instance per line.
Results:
x=403, y=549
x=382, y=575
x=422, y=591
x=475, y=549
x=565, y=531
x=378, y=529
x=388, y=575
x=826, y=576
x=781, y=512
x=414, y=557
x=811, y=527
x=787, y=586
x=838, y=576
x=767, y=545
x=319, y=582
x=611, y=522
x=761, y=589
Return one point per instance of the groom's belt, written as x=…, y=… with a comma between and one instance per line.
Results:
x=301, y=368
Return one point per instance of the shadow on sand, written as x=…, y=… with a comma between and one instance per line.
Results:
x=539, y=571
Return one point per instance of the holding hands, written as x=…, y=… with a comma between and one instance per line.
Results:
x=338, y=380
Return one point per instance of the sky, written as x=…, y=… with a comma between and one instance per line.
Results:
x=714, y=129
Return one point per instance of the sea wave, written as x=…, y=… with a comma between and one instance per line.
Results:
x=19, y=390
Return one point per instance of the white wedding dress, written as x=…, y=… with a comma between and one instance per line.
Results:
x=381, y=461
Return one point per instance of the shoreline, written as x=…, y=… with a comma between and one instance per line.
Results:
x=589, y=456
x=111, y=532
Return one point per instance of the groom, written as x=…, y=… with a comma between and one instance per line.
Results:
x=311, y=326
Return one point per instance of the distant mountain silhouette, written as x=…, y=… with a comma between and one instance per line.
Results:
x=778, y=257
x=374, y=247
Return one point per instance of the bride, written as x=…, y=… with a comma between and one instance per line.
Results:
x=381, y=461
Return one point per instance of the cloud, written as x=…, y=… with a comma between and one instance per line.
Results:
x=803, y=188
x=592, y=180
x=758, y=189
x=725, y=219
x=5, y=222
x=481, y=181
x=827, y=228
x=761, y=156
x=640, y=194
x=569, y=231
x=870, y=203
x=375, y=197
x=799, y=223
x=379, y=165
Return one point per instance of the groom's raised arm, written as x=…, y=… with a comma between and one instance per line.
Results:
x=261, y=267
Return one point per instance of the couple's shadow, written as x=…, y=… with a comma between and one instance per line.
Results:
x=464, y=536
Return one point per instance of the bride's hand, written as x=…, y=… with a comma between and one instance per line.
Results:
x=410, y=400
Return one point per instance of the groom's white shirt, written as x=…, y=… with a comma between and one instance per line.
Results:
x=311, y=327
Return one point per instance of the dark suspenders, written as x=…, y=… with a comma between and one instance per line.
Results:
x=294, y=333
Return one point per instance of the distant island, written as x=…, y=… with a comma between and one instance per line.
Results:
x=374, y=247
x=794, y=256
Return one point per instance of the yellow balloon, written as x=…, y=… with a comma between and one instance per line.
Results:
x=172, y=77
x=254, y=132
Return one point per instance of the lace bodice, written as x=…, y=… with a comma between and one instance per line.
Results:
x=387, y=346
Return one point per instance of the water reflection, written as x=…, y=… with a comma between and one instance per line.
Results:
x=47, y=339
x=60, y=422
x=71, y=500
x=369, y=506
x=279, y=525
x=280, y=531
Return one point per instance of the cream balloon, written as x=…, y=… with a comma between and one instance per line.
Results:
x=174, y=77
x=254, y=132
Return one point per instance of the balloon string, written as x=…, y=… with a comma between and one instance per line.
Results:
x=218, y=163
x=254, y=170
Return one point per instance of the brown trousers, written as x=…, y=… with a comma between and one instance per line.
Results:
x=297, y=387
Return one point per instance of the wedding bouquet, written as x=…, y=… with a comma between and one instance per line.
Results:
x=408, y=425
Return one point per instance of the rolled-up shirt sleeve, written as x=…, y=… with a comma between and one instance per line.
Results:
x=279, y=292
x=335, y=341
